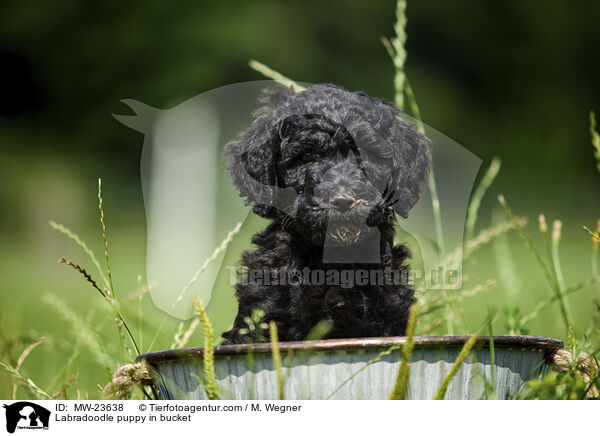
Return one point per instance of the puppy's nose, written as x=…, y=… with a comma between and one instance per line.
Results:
x=342, y=202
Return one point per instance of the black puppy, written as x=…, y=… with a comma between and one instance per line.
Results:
x=328, y=167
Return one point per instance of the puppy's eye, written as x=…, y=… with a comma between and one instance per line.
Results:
x=307, y=157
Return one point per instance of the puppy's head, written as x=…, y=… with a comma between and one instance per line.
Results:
x=348, y=157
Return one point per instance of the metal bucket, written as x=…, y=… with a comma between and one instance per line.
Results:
x=355, y=368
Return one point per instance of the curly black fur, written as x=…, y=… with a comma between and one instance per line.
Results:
x=349, y=160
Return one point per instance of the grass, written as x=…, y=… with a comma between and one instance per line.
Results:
x=400, y=390
x=208, y=357
x=464, y=352
x=276, y=359
x=71, y=362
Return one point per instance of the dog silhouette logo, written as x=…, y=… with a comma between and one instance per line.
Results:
x=26, y=415
x=195, y=194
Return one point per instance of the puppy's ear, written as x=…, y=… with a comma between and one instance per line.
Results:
x=412, y=162
x=251, y=164
x=288, y=124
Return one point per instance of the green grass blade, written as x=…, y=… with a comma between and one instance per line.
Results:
x=595, y=249
x=35, y=389
x=505, y=261
x=491, y=315
x=412, y=104
x=558, y=274
x=475, y=203
x=177, y=336
x=188, y=333
x=399, y=58
x=319, y=331
x=397, y=51
x=455, y=367
x=401, y=386
x=109, y=274
x=121, y=324
x=208, y=357
x=595, y=138
x=276, y=358
x=274, y=75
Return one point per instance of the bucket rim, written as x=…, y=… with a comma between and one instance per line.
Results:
x=539, y=343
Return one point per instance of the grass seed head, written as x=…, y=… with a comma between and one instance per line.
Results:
x=543, y=225
x=556, y=230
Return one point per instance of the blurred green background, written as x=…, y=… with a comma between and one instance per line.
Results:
x=511, y=79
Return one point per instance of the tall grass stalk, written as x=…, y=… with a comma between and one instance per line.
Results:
x=491, y=315
x=275, y=75
x=397, y=51
x=556, y=234
x=188, y=333
x=208, y=357
x=546, y=237
x=595, y=249
x=88, y=278
x=178, y=335
x=113, y=303
x=19, y=377
x=595, y=138
x=595, y=235
x=435, y=201
x=472, y=213
x=464, y=352
x=475, y=203
x=100, y=208
x=536, y=254
x=276, y=358
x=414, y=107
x=319, y=331
x=400, y=390
x=74, y=237
x=437, y=215
x=26, y=352
x=111, y=290
x=140, y=305
x=398, y=45
x=507, y=270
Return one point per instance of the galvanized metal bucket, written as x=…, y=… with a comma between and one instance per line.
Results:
x=355, y=368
